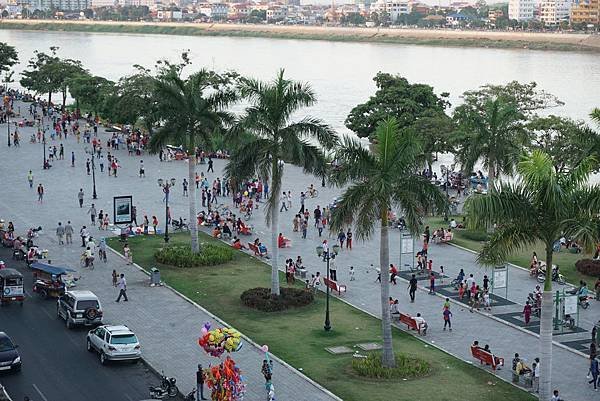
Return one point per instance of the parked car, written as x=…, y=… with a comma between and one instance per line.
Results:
x=79, y=308
x=9, y=356
x=114, y=343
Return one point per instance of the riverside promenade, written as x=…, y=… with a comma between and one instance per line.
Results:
x=168, y=325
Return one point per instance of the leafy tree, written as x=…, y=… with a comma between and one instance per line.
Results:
x=8, y=57
x=47, y=73
x=595, y=115
x=191, y=110
x=91, y=91
x=135, y=99
x=566, y=141
x=355, y=19
x=412, y=105
x=276, y=139
x=381, y=180
x=491, y=125
x=542, y=205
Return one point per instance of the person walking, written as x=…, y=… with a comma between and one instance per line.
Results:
x=61, y=152
x=432, y=283
x=60, y=232
x=200, y=383
x=349, y=239
x=122, y=286
x=283, y=203
x=87, y=166
x=40, y=191
x=302, y=199
x=83, y=233
x=342, y=238
x=142, y=169
x=447, y=316
x=210, y=165
x=128, y=254
x=92, y=212
x=185, y=187
x=527, y=312
x=30, y=179
x=115, y=278
x=69, y=232
x=332, y=268
x=80, y=197
x=72, y=159
x=412, y=288
x=594, y=370
x=393, y=273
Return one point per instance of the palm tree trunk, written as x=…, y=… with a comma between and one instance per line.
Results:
x=192, y=195
x=387, y=358
x=274, y=244
x=546, y=331
x=491, y=175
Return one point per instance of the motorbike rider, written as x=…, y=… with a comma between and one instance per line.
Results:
x=582, y=294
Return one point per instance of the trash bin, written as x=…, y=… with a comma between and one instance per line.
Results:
x=154, y=276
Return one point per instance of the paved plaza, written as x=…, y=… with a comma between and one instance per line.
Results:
x=157, y=314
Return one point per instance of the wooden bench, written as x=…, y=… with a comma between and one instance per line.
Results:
x=486, y=357
x=334, y=286
x=255, y=249
x=410, y=322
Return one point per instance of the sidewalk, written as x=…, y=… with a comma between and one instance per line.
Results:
x=60, y=204
x=167, y=324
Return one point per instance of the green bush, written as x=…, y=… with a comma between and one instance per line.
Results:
x=182, y=256
x=407, y=367
x=479, y=236
x=588, y=267
x=261, y=299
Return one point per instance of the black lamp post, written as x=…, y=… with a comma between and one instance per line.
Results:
x=445, y=173
x=166, y=186
x=93, y=152
x=7, y=104
x=44, y=143
x=327, y=255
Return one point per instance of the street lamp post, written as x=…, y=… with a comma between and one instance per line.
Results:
x=327, y=255
x=445, y=173
x=93, y=152
x=7, y=104
x=44, y=143
x=166, y=186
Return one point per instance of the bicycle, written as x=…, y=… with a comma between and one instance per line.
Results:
x=314, y=193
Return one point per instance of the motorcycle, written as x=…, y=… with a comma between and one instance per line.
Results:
x=179, y=224
x=33, y=232
x=167, y=388
x=558, y=277
x=191, y=396
x=584, y=301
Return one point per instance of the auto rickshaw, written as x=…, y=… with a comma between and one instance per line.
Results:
x=48, y=279
x=11, y=286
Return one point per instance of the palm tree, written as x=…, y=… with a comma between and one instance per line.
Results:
x=542, y=205
x=493, y=132
x=380, y=180
x=191, y=110
x=276, y=139
x=595, y=114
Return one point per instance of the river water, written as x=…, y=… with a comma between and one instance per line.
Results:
x=340, y=72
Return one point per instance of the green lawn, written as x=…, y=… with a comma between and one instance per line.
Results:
x=297, y=336
x=564, y=259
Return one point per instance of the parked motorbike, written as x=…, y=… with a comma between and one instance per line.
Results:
x=33, y=232
x=167, y=388
x=179, y=224
x=558, y=277
x=584, y=301
x=191, y=396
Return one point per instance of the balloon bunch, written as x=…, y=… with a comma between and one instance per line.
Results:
x=216, y=342
x=225, y=381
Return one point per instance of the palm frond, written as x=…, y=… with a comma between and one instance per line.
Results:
x=507, y=239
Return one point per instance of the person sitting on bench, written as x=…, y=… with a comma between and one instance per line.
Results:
x=237, y=244
x=394, y=308
x=262, y=250
x=489, y=351
x=283, y=242
x=421, y=323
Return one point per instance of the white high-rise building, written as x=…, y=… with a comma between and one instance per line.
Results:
x=552, y=12
x=521, y=10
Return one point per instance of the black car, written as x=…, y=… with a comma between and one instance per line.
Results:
x=9, y=356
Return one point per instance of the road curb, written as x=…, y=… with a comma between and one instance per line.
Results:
x=246, y=338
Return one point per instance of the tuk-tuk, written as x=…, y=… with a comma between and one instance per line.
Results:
x=48, y=279
x=11, y=286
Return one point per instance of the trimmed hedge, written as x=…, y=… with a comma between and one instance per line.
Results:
x=261, y=299
x=588, y=267
x=182, y=256
x=407, y=367
x=479, y=236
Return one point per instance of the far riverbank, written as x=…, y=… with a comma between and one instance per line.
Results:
x=431, y=37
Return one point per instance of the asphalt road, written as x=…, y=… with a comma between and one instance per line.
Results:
x=56, y=364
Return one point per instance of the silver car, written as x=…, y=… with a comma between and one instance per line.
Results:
x=114, y=343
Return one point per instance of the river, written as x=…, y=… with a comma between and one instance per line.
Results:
x=340, y=72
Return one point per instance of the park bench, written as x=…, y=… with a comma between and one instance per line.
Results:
x=486, y=357
x=410, y=322
x=334, y=286
x=254, y=248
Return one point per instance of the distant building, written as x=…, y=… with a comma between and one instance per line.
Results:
x=393, y=8
x=553, y=12
x=214, y=11
x=65, y=5
x=456, y=19
x=276, y=13
x=521, y=10
x=587, y=12
x=169, y=14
